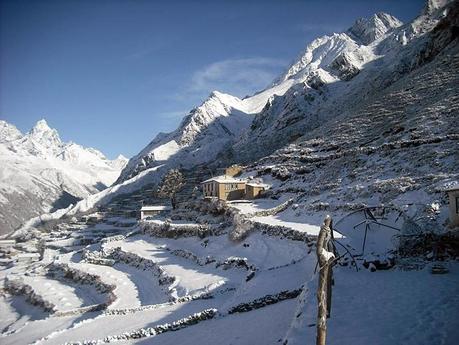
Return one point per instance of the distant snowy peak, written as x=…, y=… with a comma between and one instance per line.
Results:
x=44, y=135
x=44, y=142
x=40, y=173
x=8, y=132
x=369, y=30
x=119, y=162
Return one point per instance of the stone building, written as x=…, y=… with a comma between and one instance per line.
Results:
x=153, y=210
x=253, y=190
x=224, y=188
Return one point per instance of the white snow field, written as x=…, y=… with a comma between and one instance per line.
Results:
x=262, y=291
x=155, y=281
x=389, y=307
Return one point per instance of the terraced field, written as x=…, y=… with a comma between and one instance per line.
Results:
x=100, y=282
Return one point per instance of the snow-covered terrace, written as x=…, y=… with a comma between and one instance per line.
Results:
x=288, y=218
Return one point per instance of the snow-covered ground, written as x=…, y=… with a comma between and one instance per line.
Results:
x=164, y=281
x=158, y=281
x=385, y=307
x=64, y=295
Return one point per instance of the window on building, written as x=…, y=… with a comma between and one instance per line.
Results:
x=457, y=205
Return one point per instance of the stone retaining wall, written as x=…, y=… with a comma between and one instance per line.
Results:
x=265, y=301
x=283, y=232
x=82, y=277
x=142, y=263
x=171, y=230
x=18, y=287
x=272, y=211
x=152, y=331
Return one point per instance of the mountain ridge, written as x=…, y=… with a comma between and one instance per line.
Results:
x=40, y=173
x=333, y=72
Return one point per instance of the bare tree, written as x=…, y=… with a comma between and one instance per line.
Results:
x=170, y=185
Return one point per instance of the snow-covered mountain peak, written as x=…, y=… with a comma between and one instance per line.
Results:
x=323, y=51
x=373, y=28
x=41, y=125
x=8, y=132
x=119, y=162
x=213, y=125
x=46, y=173
x=315, y=53
x=45, y=135
x=224, y=99
x=216, y=105
x=121, y=158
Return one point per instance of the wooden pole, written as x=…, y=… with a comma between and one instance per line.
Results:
x=324, y=258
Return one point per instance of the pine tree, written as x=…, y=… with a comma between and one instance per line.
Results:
x=171, y=183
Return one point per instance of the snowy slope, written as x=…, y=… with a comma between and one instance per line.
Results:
x=204, y=132
x=336, y=73
x=40, y=173
x=399, y=147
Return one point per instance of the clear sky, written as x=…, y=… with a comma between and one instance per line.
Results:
x=113, y=74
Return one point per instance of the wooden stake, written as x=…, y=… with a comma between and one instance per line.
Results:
x=324, y=259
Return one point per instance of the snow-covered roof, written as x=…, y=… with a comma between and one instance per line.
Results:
x=7, y=242
x=28, y=255
x=224, y=179
x=452, y=188
x=254, y=184
x=155, y=208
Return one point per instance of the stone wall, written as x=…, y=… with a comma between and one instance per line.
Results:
x=171, y=230
x=271, y=211
x=18, y=287
x=82, y=277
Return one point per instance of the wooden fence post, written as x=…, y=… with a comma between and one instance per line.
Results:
x=324, y=259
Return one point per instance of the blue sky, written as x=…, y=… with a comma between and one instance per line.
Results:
x=113, y=74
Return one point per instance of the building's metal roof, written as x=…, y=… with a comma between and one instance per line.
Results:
x=259, y=185
x=452, y=188
x=224, y=179
x=155, y=208
x=28, y=255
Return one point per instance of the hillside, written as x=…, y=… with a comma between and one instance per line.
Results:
x=335, y=73
x=334, y=78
